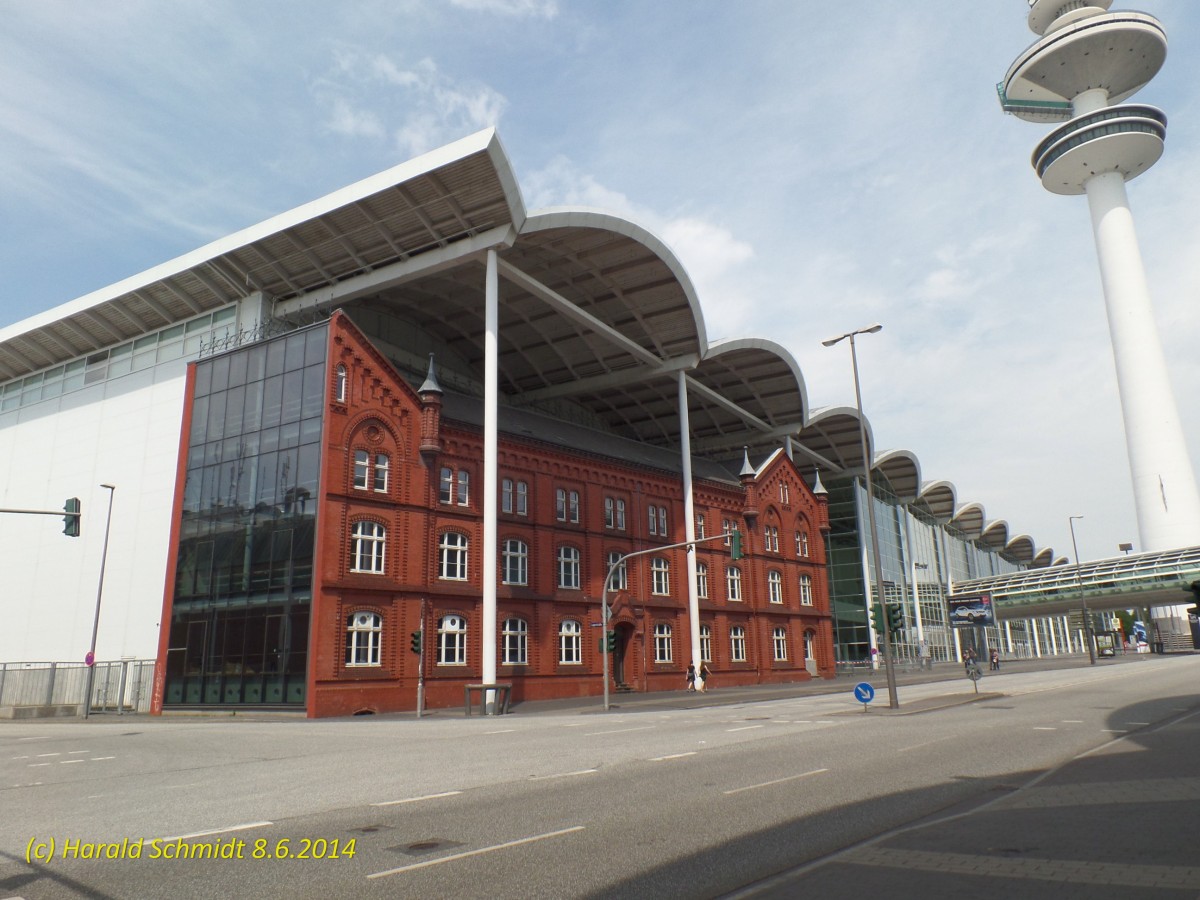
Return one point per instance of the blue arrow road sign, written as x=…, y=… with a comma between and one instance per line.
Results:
x=863, y=692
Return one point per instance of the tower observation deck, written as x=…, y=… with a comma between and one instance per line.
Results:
x=1086, y=62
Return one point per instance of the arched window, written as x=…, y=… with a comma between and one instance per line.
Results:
x=737, y=643
x=806, y=595
x=452, y=641
x=802, y=543
x=515, y=562
x=662, y=643
x=810, y=641
x=452, y=557
x=702, y=580
x=339, y=386
x=364, y=631
x=660, y=576
x=706, y=643
x=775, y=586
x=733, y=583
x=568, y=567
x=570, y=639
x=368, y=541
x=779, y=642
x=516, y=643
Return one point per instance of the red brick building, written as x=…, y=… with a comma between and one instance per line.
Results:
x=400, y=526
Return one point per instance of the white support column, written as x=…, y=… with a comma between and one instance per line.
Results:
x=689, y=516
x=491, y=357
x=1053, y=637
x=1066, y=629
x=1032, y=624
x=1164, y=484
x=1008, y=635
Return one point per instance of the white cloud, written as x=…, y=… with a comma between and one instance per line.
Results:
x=545, y=9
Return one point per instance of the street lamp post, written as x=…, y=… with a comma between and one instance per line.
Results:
x=91, y=678
x=1087, y=618
x=885, y=639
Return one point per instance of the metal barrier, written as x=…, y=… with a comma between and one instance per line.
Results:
x=118, y=686
x=503, y=690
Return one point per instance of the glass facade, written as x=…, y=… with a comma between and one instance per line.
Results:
x=243, y=585
x=920, y=558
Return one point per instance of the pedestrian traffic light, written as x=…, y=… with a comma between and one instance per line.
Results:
x=895, y=615
x=72, y=517
x=612, y=641
x=735, y=545
x=415, y=642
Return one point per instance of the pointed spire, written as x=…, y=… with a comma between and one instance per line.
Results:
x=747, y=469
x=818, y=488
x=431, y=385
x=787, y=447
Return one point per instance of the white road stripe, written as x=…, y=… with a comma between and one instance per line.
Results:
x=502, y=731
x=67, y=762
x=196, y=834
x=95, y=758
x=563, y=774
x=620, y=730
x=451, y=858
x=1043, y=728
x=672, y=756
x=743, y=728
x=751, y=787
x=418, y=799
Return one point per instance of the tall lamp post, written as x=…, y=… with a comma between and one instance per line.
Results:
x=893, y=700
x=1087, y=619
x=91, y=678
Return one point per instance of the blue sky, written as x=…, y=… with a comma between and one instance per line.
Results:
x=817, y=166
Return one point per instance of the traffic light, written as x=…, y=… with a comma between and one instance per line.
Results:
x=895, y=615
x=612, y=641
x=877, y=618
x=735, y=545
x=415, y=642
x=72, y=517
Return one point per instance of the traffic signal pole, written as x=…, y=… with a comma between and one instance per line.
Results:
x=606, y=613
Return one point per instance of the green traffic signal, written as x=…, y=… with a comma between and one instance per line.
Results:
x=735, y=545
x=877, y=618
x=895, y=614
x=72, y=517
x=612, y=641
x=415, y=642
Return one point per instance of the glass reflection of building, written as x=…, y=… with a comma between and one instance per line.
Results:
x=921, y=559
x=243, y=576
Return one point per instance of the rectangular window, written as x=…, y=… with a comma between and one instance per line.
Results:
x=706, y=643
x=725, y=529
x=737, y=644
x=506, y=495
x=775, y=586
x=362, y=468
x=806, y=595
x=662, y=521
x=610, y=512
x=702, y=581
x=733, y=583
x=653, y=519
x=620, y=514
x=620, y=575
x=662, y=643
x=560, y=505
x=381, y=473
x=522, y=498
x=699, y=526
x=569, y=643
x=464, y=488
x=660, y=571
x=446, y=485
x=573, y=506
x=779, y=643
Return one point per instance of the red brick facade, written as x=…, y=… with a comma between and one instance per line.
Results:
x=392, y=429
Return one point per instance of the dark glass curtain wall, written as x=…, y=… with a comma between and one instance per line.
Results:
x=243, y=586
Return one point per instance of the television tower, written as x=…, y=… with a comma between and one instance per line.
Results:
x=1086, y=62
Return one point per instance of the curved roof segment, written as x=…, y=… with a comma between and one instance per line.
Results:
x=593, y=309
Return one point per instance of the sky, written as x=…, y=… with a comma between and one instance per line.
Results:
x=816, y=166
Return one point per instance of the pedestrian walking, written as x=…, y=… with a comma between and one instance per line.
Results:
x=968, y=658
x=995, y=659
x=691, y=676
x=702, y=679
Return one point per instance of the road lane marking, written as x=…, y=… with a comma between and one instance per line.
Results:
x=38, y=765
x=502, y=731
x=1072, y=721
x=1043, y=728
x=67, y=762
x=468, y=853
x=40, y=755
x=1115, y=730
x=226, y=830
x=418, y=799
x=924, y=744
x=619, y=730
x=563, y=774
x=743, y=728
x=1137, y=723
x=97, y=758
x=751, y=787
x=672, y=756
x=73, y=752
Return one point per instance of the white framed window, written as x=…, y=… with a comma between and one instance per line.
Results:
x=620, y=526
x=368, y=542
x=339, y=384
x=660, y=576
x=775, y=586
x=810, y=642
x=662, y=521
x=560, y=504
x=771, y=538
x=573, y=506
x=570, y=643
x=783, y=492
x=733, y=583
x=464, y=488
x=452, y=641
x=806, y=594
x=515, y=638
x=446, y=485
x=514, y=558
x=362, y=469
x=364, y=632
x=779, y=643
x=620, y=575
x=522, y=498
x=614, y=513
x=737, y=643
x=726, y=528
x=568, y=567
x=706, y=643
x=379, y=481
x=699, y=526
x=802, y=543
x=452, y=556
x=652, y=519
x=662, y=643
x=702, y=581
x=507, y=492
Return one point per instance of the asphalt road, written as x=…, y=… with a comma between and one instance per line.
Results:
x=668, y=796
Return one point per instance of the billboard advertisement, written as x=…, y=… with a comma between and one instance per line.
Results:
x=967, y=610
